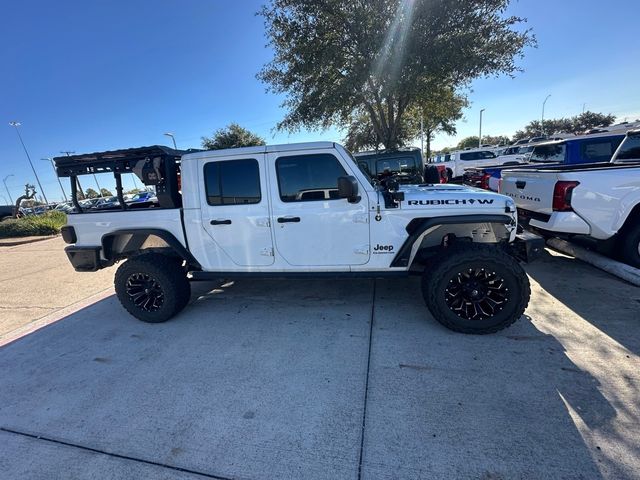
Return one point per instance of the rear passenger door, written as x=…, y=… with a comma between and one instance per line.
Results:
x=235, y=208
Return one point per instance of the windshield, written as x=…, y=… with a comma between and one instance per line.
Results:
x=629, y=149
x=399, y=165
x=548, y=153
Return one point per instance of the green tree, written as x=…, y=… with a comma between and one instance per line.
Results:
x=338, y=59
x=588, y=120
x=91, y=193
x=468, y=142
x=497, y=140
x=105, y=193
x=232, y=136
x=576, y=124
x=440, y=111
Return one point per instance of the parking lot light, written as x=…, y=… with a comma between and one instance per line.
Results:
x=16, y=125
x=169, y=134
x=4, y=180
x=56, y=174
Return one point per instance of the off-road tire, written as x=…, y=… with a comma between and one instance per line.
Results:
x=458, y=259
x=167, y=276
x=630, y=245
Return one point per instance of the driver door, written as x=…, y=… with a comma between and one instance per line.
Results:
x=311, y=225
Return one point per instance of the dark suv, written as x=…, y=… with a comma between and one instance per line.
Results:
x=405, y=164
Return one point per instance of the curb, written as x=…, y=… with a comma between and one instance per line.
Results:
x=12, y=242
x=54, y=316
x=625, y=272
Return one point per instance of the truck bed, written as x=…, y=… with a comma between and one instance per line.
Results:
x=579, y=167
x=91, y=227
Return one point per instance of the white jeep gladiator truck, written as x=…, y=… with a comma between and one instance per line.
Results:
x=598, y=200
x=297, y=210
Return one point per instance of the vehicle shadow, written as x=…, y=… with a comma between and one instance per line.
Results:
x=512, y=404
x=606, y=302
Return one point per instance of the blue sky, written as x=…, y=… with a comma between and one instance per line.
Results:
x=89, y=76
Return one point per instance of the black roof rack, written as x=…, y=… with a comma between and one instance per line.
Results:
x=114, y=161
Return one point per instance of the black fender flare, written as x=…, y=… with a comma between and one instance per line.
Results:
x=416, y=227
x=168, y=237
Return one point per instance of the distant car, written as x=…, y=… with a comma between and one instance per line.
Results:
x=570, y=151
x=107, y=203
x=143, y=200
x=405, y=164
x=90, y=202
x=142, y=197
x=6, y=211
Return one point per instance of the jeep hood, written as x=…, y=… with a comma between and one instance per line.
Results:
x=453, y=196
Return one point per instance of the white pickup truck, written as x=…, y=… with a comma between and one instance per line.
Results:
x=599, y=200
x=297, y=210
x=457, y=162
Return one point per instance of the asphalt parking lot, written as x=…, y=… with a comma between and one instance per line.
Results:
x=314, y=379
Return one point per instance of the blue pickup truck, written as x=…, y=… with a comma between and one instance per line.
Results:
x=569, y=151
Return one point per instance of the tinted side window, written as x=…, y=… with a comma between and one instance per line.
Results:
x=304, y=178
x=630, y=149
x=469, y=156
x=548, y=153
x=232, y=182
x=597, y=151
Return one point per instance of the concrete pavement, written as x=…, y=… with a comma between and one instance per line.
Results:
x=36, y=281
x=328, y=380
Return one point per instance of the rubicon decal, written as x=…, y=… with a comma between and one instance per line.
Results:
x=453, y=201
x=382, y=249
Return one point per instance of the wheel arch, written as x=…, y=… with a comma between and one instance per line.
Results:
x=430, y=232
x=126, y=243
x=632, y=218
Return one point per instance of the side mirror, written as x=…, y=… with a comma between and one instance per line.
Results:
x=348, y=188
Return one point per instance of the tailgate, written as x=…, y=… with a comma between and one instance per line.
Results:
x=531, y=190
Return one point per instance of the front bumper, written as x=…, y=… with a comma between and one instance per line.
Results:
x=85, y=259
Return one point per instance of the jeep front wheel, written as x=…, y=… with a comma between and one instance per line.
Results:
x=476, y=289
x=152, y=287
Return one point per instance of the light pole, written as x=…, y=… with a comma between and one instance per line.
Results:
x=16, y=125
x=82, y=195
x=542, y=122
x=7, y=188
x=480, y=132
x=56, y=174
x=169, y=134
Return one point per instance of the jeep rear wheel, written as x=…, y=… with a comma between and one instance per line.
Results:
x=476, y=289
x=152, y=287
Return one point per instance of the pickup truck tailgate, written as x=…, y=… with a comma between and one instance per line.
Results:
x=531, y=190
